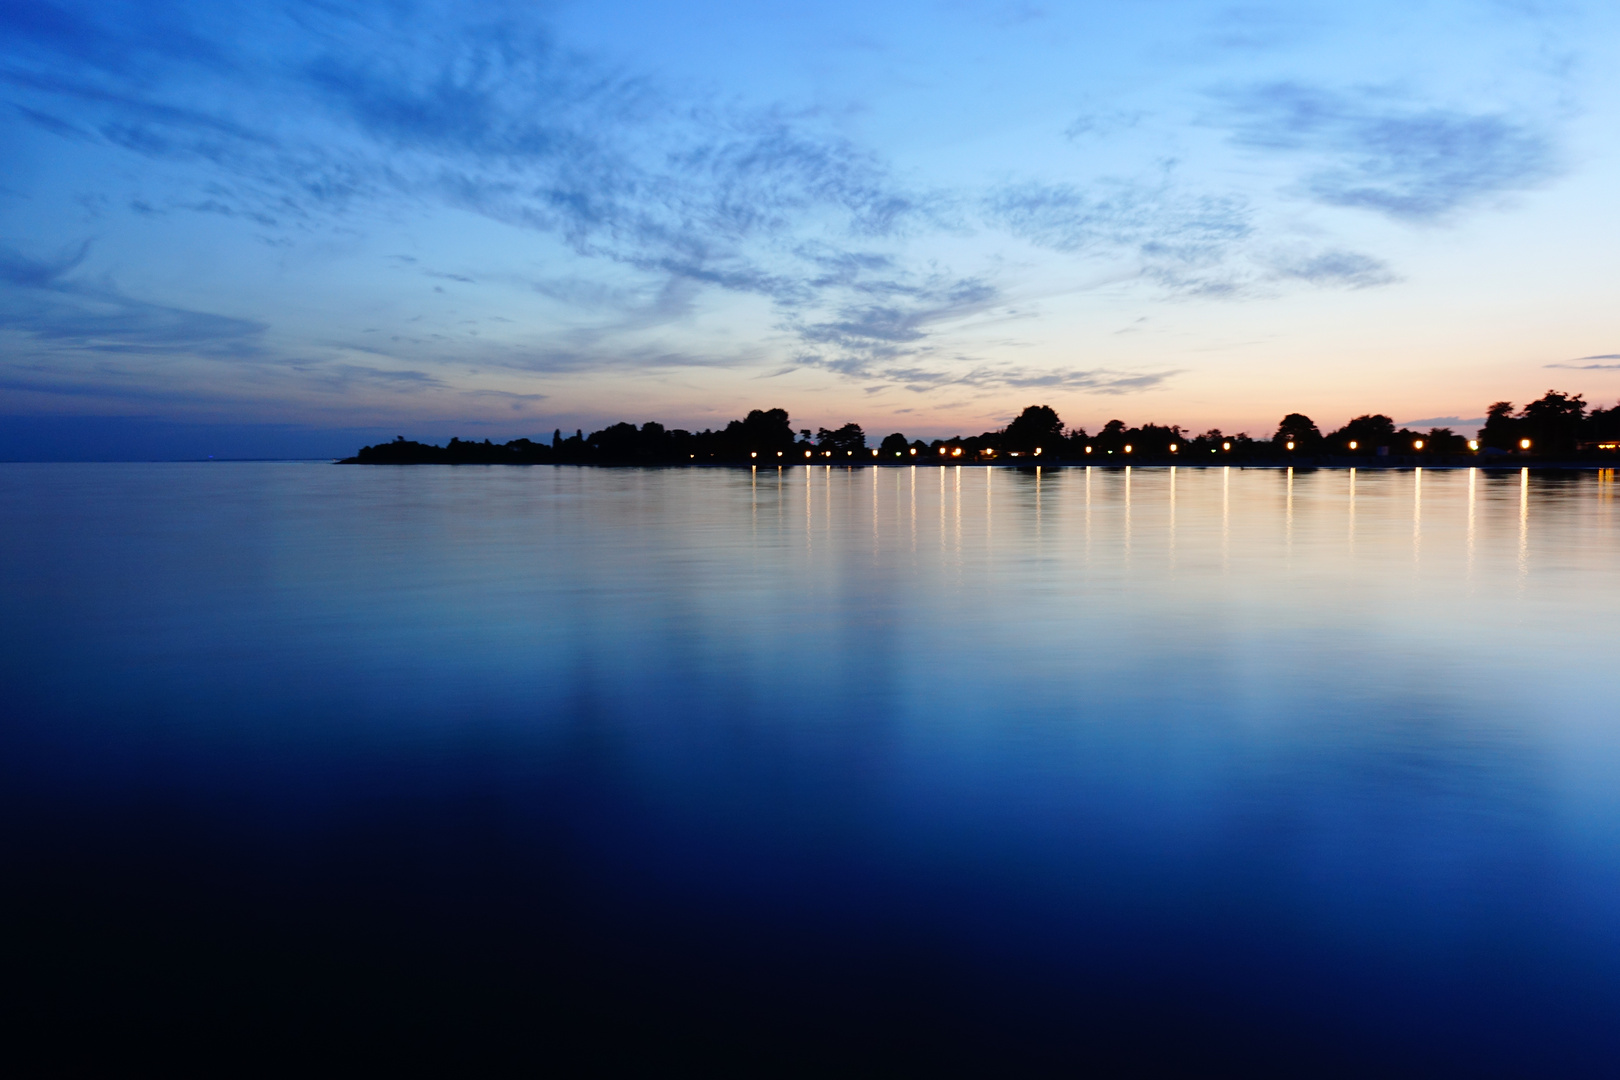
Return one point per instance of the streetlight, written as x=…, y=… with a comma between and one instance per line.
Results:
x=1417, y=444
x=1524, y=444
x=1127, y=448
x=1037, y=451
x=1173, y=448
x=753, y=453
x=1473, y=444
x=913, y=451
x=1226, y=446
x=1290, y=444
x=1354, y=444
x=1088, y=449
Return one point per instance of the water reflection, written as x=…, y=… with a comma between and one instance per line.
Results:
x=585, y=740
x=1417, y=515
x=1524, y=523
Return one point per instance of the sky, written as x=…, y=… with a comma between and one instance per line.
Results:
x=274, y=226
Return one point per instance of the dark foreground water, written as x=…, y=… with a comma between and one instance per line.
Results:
x=1107, y=771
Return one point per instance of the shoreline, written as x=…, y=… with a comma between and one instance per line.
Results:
x=1403, y=465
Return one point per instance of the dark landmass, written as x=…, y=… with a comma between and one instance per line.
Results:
x=1556, y=428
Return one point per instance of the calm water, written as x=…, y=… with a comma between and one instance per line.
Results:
x=1137, y=769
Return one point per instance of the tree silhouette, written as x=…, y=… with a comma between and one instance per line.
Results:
x=1301, y=431
x=1037, y=426
x=1553, y=422
x=847, y=438
x=1558, y=425
x=893, y=446
x=1368, y=432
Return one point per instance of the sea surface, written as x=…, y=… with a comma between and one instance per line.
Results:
x=1073, y=772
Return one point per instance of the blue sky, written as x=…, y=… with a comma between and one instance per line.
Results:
x=499, y=219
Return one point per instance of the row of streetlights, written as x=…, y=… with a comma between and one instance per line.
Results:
x=956, y=451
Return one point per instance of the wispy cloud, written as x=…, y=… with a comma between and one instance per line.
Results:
x=489, y=114
x=46, y=300
x=1578, y=365
x=1348, y=269
x=923, y=377
x=1375, y=150
x=1194, y=245
x=341, y=376
x=862, y=339
x=1155, y=222
x=515, y=401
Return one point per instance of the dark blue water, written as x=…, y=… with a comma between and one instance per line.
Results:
x=1191, y=772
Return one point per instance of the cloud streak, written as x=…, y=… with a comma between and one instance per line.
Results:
x=1156, y=223
x=1372, y=150
x=42, y=299
x=1576, y=365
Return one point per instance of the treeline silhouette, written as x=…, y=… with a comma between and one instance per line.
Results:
x=1557, y=426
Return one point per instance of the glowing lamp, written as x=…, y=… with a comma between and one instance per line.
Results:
x=1088, y=449
x=753, y=453
x=1174, y=448
x=1354, y=444
x=1524, y=444
x=1226, y=446
x=807, y=453
x=1127, y=448
x=913, y=451
x=957, y=452
x=1290, y=444
x=1473, y=444
x=1417, y=444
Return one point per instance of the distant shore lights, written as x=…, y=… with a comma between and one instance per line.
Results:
x=1417, y=444
x=1354, y=444
x=1524, y=444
